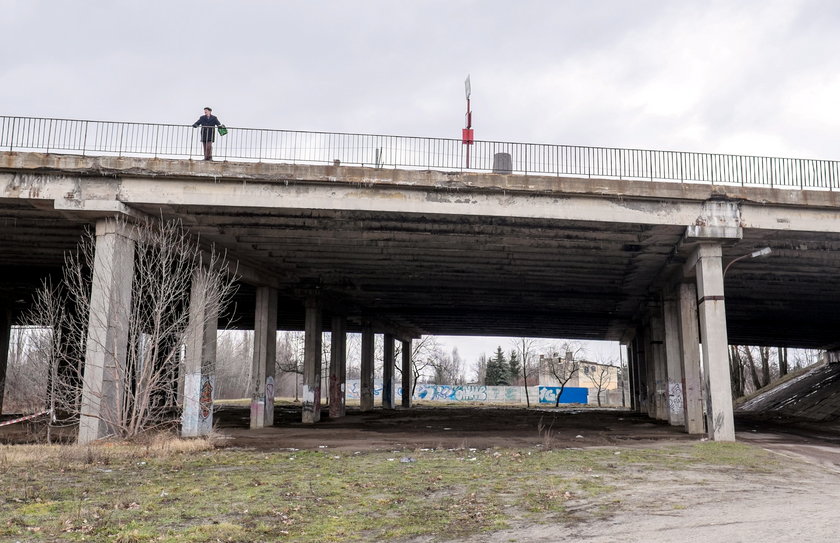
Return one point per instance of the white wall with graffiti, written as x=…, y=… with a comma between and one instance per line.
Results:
x=477, y=393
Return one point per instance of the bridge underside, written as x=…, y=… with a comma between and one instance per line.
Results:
x=469, y=275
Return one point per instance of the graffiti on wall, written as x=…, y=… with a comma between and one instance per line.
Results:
x=451, y=393
x=474, y=393
x=570, y=395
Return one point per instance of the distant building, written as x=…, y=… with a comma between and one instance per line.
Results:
x=590, y=375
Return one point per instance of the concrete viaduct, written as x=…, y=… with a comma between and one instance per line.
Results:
x=405, y=251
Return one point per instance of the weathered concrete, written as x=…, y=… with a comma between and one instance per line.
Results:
x=200, y=360
x=712, y=311
x=406, y=374
x=659, y=406
x=366, y=384
x=107, y=337
x=265, y=351
x=388, y=371
x=690, y=356
x=5, y=337
x=338, y=366
x=312, y=362
x=673, y=360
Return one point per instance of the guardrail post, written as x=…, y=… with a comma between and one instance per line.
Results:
x=12, y=135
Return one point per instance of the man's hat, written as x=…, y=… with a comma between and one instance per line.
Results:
x=209, y=108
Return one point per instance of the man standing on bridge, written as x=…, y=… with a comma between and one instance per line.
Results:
x=208, y=122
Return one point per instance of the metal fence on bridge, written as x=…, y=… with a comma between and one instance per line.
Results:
x=107, y=138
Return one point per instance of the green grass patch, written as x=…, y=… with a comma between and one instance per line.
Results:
x=136, y=494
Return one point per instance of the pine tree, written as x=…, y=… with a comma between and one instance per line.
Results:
x=498, y=370
x=514, y=368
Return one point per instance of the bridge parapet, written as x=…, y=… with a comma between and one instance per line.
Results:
x=107, y=138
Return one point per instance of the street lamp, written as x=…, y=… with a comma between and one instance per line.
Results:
x=755, y=254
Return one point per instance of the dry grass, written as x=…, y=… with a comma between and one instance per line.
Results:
x=159, y=445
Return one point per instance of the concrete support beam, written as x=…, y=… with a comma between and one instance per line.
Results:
x=338, y=366
x=312, y=362
x=107, y=337
x=712, y=315
x=690, y=355
x=388, y=372
x=406, y=374
x=200, y=361
x=366, y=378
x=265, y=354
x=5, y=338
x=673, y=360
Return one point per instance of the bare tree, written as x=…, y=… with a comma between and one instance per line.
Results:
x=168, y=268
x=289, y=356
x=600, y=376
x=526, y=349
x=564, y=367
x=234, y=351
x=424, y=353
x=28, y=371
x=481, y=369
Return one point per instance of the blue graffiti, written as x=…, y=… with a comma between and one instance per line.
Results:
x=570, y=395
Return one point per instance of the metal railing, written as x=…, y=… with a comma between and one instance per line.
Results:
x=261, y=145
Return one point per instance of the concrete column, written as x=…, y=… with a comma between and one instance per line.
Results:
x=649, y=377
x=712, y=312
x=406, y=374
x=265, y=354
x=657, y=378
x=200, y=360
x=660, y=365
x=366, y=380
x=5, y=339
x=673, y=360
x=631, y=375
x=388, y=372
x=107, y=336
x=338, y=366
x=641, y=372
x=690, y=355
x=312, y=362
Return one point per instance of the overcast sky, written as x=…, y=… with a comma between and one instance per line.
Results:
x=747, y=77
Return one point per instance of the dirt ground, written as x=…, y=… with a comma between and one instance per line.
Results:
x=447, y=427
x=798, y=503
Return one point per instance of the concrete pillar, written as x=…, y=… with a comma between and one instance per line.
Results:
x=631, y=375
x=200, y=360
x=5, y=339
x=649, y=377
x=673, y=360
x=388, y=372
x=655, y=358
x=641, y=372
x=406, y=374
x=366, y=378
x=690, y=355
x=338, y=366
x=265, y=354
x=657, y=342
x=107, y=336
x=720, y=421
x=312, y=362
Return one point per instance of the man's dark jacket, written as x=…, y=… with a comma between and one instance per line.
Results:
x=207, y=124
